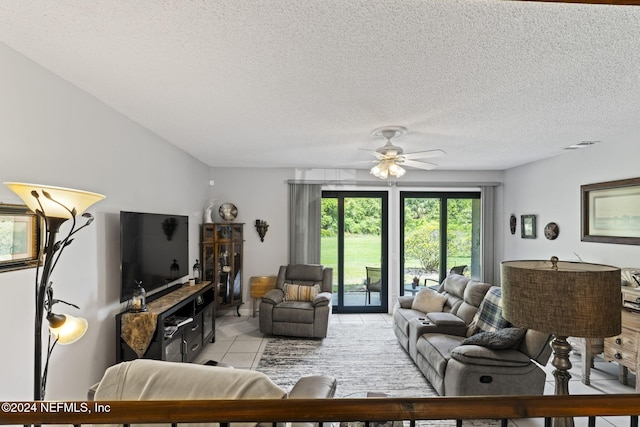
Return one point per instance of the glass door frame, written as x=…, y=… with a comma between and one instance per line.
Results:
x=384, y=250
x=444, y=196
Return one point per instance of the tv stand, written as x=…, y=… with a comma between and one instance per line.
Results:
x=163, y=292
x=142, y=335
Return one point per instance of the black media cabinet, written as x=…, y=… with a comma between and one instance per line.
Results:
x=144, y=335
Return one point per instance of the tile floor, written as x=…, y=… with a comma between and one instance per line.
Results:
x=239, y=343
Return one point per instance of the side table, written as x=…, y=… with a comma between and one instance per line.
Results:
x=587, y=348
x=260, y=285
x=624, y=349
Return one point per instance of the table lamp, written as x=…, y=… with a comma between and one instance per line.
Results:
x=564, y=299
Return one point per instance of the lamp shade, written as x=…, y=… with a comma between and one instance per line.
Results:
x=563, y=298
x=58, y=197
x=67, y=329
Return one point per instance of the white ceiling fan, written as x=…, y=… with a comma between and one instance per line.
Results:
x=391, y=158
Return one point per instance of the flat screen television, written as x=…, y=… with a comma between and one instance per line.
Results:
x=154, y=249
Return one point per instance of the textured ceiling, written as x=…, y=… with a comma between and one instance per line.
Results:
x=301, y=83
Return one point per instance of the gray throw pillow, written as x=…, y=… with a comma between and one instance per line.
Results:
x=497, y=340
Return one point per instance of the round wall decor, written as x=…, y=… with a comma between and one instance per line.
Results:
x=551, y=231
x=228, y=211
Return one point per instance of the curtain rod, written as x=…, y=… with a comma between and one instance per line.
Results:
x=381, y=183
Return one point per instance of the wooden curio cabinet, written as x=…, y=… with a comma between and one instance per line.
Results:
x=222, y=262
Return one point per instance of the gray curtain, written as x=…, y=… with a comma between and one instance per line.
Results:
x=305, y=209
x=487, y=240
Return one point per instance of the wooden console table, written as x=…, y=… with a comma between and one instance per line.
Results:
x=624, y=349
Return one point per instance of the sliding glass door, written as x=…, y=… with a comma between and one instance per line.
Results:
x=440, y=232
x=354, y=243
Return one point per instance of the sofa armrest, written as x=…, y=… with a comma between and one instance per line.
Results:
x=314, y=387
x=445, y=319
x=91, y=393
x=323, y=298
x=477, y=355
x=274, y=296
x=444, y=323
x=405, y=301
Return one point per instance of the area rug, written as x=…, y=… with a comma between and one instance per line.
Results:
x=363, y=358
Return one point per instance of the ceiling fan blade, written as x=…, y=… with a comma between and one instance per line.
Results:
x=377, y=155
x=425, y=154
x=357, y=163
x=419, y=165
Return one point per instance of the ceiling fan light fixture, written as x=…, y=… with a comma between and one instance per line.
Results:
x=384, y=172
x=394, y=168
x=375, y=171
x=387, y=167
x=399, y=171
x=391, y=157
x=381, y=170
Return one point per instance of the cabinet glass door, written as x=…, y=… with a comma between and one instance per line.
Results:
x=237, y=273
x=225, y=278
x=224, y=232
x=207, y=233
x=207, y=263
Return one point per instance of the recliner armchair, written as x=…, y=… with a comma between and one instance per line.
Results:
x=300, y=304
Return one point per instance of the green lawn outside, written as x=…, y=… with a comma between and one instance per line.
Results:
x=365, y=250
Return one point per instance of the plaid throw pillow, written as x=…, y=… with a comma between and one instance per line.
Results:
x=294, y=292
x=489, y=316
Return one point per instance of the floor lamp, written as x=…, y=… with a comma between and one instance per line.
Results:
x=565, y=299
x=54, y=205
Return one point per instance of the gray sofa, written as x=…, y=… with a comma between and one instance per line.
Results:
x=293, y=308
x=461, y=353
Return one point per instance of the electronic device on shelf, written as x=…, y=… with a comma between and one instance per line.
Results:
x=154, y=249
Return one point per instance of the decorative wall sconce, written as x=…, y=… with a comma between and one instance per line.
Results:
x=169, y=227
x=261, y=227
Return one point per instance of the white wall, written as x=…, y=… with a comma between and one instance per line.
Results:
x=53, y=133
x=258, y=194
x=550, y=189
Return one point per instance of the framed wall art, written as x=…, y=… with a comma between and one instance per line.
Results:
x=528, y=226
x=551, y=231
x=20, y=241
x=611, y=212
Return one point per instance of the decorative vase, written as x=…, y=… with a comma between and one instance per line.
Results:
x=208, y=213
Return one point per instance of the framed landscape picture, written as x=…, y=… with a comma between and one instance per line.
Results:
x=20, y=243
x=611, y=212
